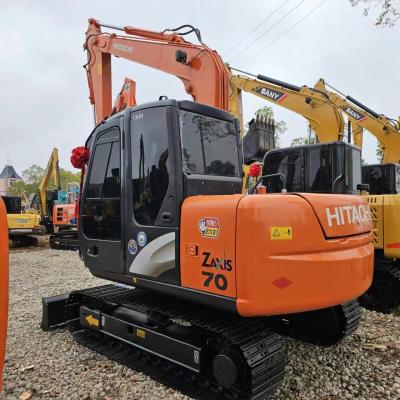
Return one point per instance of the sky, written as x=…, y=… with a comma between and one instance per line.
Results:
x=43, y=87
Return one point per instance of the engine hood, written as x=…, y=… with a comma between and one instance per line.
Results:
x=340, y=215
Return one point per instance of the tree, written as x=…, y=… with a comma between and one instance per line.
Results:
x=389, y=12
x=280, y=126
x=299, y=141
x=379, y=152
x=32, y=176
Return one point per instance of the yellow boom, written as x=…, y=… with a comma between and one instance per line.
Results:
x=386, y=130
x=324, y=118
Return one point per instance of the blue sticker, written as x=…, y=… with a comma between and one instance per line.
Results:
x=141, y=239
x=132, y=246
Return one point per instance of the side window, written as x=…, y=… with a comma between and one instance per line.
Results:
x=319, y=170
x=150, y=174
x=288, y=164
x=102, y=203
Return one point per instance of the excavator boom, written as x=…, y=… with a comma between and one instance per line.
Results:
x=325, y=118
x=200, y=68
x=52, y=171
x=385, y=130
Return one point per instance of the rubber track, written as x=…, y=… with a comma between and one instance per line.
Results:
x=260, y=346
x=64, y=241
x=368, y=301
x=347, y=317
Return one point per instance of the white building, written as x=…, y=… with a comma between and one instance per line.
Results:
x=7, y=178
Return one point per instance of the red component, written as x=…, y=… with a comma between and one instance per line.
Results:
x=393, y=246
x=255, y=170
x=282, y=282
x=79, y=159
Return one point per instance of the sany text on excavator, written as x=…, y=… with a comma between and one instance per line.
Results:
x=201, y=264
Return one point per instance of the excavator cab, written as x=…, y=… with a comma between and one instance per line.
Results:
x=382, y=178
x=319, y=168
x=169, y=150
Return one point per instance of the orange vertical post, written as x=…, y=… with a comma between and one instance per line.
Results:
x=3, y=286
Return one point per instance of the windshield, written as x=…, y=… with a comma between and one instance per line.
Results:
x=209, y=146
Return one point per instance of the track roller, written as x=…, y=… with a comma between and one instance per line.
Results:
x=202, y=352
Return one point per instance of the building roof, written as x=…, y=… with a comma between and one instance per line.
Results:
x=9, y=173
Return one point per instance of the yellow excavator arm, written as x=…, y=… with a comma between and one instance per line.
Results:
x=386, y=130
x=324, y=118
x=52, y=171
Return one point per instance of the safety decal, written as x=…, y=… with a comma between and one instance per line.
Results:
x=132, y=246
x=281, y=233
x=209, y=227
x=92, y=321
x=141, y=239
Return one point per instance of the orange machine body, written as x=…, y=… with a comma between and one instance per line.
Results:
x=3, y=286
x=63, y=216
x=275, y=252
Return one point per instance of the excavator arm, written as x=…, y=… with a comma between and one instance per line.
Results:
x=386, y=131
x=325, y=118
x=200, y=68
x=52, y=171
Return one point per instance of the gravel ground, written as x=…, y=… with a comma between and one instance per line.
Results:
x=50, y=365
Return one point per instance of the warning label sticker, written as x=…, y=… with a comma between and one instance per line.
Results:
x=281, y=232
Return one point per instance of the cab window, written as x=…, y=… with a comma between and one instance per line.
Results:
x=101, y=217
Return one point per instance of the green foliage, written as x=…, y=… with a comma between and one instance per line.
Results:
x=300, y=141
x=389, y=12
x=32, y=176
x=379, y=152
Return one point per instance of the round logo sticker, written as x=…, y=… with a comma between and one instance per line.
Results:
x=141, y=239
x=132, y=246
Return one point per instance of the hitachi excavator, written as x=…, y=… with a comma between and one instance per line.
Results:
x=198, y=265
x=384, y=190
x=3, y=286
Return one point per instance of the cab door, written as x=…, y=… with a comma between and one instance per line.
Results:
x=100, y=228
x=153, y=195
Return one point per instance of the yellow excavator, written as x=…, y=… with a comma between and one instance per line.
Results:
x=23, y=225
x=384, y=195
x=323, y=117
x=45, y=198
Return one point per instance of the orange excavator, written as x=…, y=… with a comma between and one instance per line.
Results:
x=198, y=265
x=3, y=286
